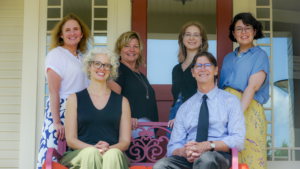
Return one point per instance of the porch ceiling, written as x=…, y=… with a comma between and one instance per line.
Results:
x=193, y=7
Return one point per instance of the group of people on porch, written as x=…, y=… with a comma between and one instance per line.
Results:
x=98, y=98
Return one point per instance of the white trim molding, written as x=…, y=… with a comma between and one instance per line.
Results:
x=29, y=84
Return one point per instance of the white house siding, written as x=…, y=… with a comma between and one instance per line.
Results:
x=11, y=44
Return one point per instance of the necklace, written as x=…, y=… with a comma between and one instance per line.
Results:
x=143, y=82
x=75, y=53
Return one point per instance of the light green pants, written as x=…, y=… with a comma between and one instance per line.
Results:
x=91, y=158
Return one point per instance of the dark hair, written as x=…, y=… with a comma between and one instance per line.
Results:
x=209, y=56
x=247, y=18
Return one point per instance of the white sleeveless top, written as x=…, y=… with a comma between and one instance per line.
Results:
x=69, y=68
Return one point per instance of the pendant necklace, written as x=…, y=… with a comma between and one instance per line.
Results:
x=141, y=80
x=75, y=53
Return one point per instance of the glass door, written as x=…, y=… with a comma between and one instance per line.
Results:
x=159, y=23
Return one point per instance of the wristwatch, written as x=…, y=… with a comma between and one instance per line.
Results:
x=212, y=144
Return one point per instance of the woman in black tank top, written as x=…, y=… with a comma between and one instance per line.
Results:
x=98, y=120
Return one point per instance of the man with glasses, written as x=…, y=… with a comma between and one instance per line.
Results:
x=207, y=125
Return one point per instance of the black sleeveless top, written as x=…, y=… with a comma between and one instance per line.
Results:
x=95, y=125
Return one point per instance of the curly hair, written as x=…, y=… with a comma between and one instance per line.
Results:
x=56, y=32
x=247, y=18
x=124, y=39
x=182, y=49
x=114, y=61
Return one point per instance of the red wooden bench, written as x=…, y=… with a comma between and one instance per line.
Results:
x=153, y=148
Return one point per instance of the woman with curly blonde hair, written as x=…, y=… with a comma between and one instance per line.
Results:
x=69, y=39
x=97, y=119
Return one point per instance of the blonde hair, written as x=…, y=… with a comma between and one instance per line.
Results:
x=56, y=32
x=204, y=41
x=124, y=39
x=114, y=61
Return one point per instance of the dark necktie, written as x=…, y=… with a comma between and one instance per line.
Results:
x=202, y=130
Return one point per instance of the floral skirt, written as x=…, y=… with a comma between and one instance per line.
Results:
x=255, y=153
x=49, y=137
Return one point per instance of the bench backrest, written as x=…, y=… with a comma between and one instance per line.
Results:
x=149, y=147
x=146, y=149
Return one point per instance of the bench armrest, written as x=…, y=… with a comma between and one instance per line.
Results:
x=50, y=153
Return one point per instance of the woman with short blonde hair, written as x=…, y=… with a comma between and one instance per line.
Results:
x=124, y=39
x=132, y=83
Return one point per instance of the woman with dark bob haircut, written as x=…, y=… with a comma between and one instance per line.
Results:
x=245, y=73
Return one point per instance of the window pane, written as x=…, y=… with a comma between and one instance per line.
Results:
x=263, y=12
x=269, y=141
x=54, y=2
x=281, y=95
x=102, y=46
x=268, y=104
x=281, y=155
x=100, y=38
x=267, y=49
x=262, y=2
x=269, y=130
x=268, y=114
x=100, y=2
x=265, y=40
x=269, y=155
x=46, y=99
x=164, y=22
x=53, y=13
x=46, y=89
x=265, y=25
x=51, y=25
x=48, y=38
x=100, y=12
x=47, y=50
x=100, y=25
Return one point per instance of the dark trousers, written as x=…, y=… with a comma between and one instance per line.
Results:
x=208, y=160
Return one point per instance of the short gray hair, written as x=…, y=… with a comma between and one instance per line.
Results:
x=114, y=61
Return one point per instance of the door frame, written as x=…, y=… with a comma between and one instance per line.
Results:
x=224, y=46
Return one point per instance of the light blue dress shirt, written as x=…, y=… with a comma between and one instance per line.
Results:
x=226, y=120
x=236, y=71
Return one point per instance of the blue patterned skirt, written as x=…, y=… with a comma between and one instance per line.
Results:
x=49, y=138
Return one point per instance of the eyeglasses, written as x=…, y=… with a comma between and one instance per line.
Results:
x=240, y=29
x=195, y=36
x=98, y=64
x=198, y=66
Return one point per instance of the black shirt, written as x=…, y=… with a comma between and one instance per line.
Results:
x=134, y=90
x=95, y=125
x=183, y=82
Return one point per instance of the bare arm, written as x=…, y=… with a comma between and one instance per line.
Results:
x=54, y=82
x=255, y=82
x=125, y=127
x=71, y=125
x=114, y=86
